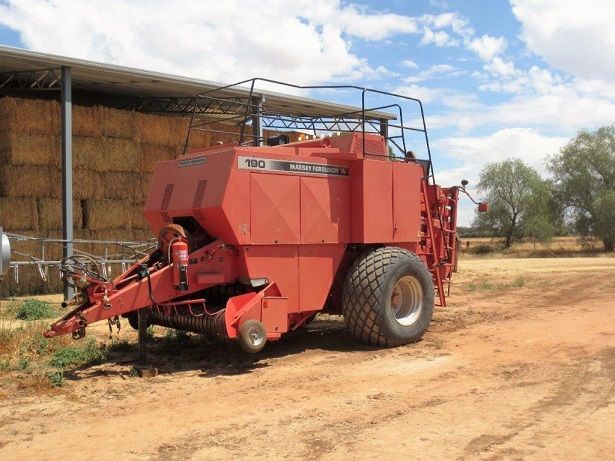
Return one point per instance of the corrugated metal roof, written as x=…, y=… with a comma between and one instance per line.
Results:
x=120, y=80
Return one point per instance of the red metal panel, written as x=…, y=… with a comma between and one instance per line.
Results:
x=325, y=210
x=277, y=263
x=406, y=202
x=317, y=268
x=236, y=207
x=275, y=315
x=371, y=201
x=274, y=204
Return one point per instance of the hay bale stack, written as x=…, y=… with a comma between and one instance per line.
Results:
x=151, y=154
x=160, y=130
x=50, y=213
x=30, y=149
x=122, y=186
x=106, y=154
x=87, y=121
x=21, y=213
x=117, y=123
x=29, y=116
x=111, y=214
x=24, y=181
x=114, y=156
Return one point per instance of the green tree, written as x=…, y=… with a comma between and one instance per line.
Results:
x=584, y=172
x=520, y=202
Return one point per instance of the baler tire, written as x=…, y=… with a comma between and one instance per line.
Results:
x=133, y=320
x=372, y=283
x=245, y=336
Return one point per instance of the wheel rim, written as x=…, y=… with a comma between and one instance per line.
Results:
x=406, y=301
x=254, y=336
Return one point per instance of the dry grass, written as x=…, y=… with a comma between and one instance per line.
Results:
x=558, y=247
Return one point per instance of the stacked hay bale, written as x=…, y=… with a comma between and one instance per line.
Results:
x=114, y=155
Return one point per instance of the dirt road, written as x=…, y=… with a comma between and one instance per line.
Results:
x=521, y=365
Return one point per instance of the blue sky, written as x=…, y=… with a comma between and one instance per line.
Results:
x=498, y=79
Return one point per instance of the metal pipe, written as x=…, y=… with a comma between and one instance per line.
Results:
x=67, y=169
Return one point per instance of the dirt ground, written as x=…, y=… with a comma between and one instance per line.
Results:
x=520, y=365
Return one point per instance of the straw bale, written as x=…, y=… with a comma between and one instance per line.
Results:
x=146, y=181
x=50, y=213
x=106, y=154
x=24, y=181
x=88, y=153
x=87, y=121
x=121, y=155
x=30, y=149
x=118, y=123
x=110, y=214
x=138, y=219
x=18, y=213
x=122, y=186
x=86, y=184
x=33, y=116
x=160, y=130
x=152, y=154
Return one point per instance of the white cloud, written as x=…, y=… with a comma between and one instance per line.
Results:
x=527, y=144
x=445, y=96
x=487, y=47
x=438, y=38
x=435, y=70
x=475, y=151
x=409, y=64
x=575, y=36
x=297, y=41
x=563, y=109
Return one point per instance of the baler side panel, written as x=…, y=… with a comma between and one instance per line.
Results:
x=407, y=202
x=274, y=208
x=318, y=265
x=276, y=263
x=371, y=201
x=325, y=210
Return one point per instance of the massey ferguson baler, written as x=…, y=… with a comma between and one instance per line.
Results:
x=254, y=241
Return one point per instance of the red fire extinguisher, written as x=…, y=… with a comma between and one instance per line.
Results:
x=179, y=251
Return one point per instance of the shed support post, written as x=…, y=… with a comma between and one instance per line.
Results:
x=67, y=169
x=257, y=125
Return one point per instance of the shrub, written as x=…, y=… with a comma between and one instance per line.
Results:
x=56, y=378
x=482, y=249
x=33, y=309
x=77, y=355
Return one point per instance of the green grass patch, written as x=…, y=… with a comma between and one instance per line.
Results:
x=87, y=354
x=34, y=309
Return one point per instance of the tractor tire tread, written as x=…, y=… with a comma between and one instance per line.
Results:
x=363, y=291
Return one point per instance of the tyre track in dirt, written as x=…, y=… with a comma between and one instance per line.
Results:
x=513, y=373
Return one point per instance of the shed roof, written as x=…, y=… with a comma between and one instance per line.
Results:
x=126, y=81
